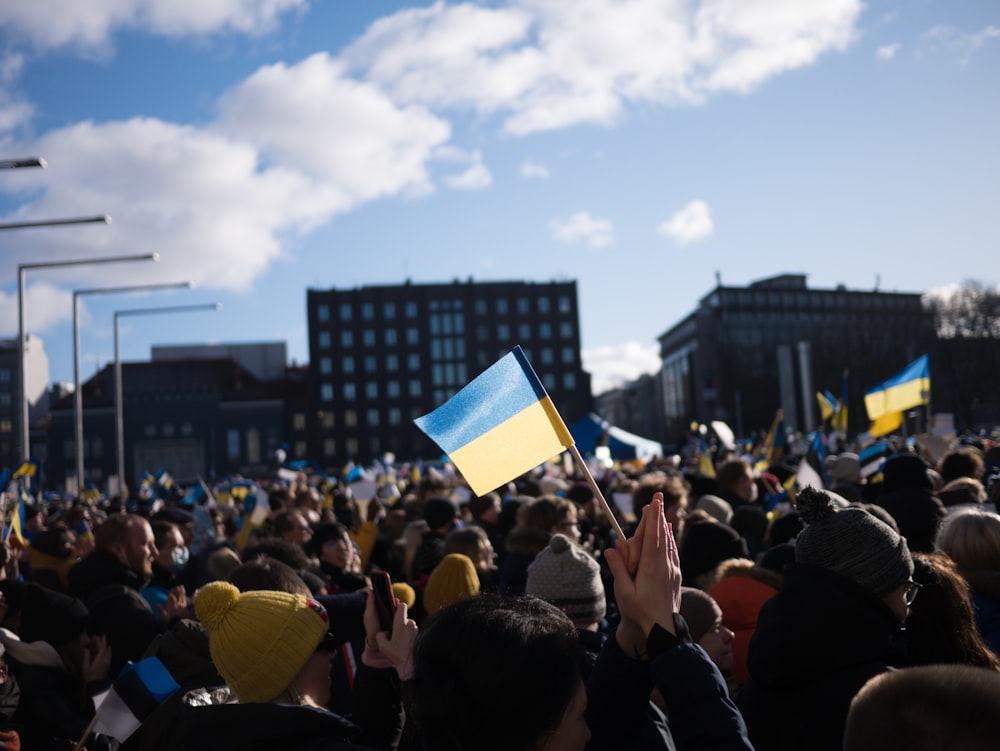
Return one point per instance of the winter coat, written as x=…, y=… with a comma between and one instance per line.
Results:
x=918, y=514
x=740, y=594
x=985, y=586
x=818, y=641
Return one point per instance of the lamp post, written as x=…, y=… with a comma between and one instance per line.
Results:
x=22, y=391
x=77, y=390
x=119, y=419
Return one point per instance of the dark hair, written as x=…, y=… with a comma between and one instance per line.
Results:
x=324, y=533
x=268, y=574
x=926, y=709
x=160, y=531
x=673, y=486
x=941, y=626
x=285, y=521
x=279, y=548
x=963, y=462
x=494, y=673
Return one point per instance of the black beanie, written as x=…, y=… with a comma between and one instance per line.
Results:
x=51, y=616
x=438, y=512
x=851, y=542
x=704, y=545
x=905, y=471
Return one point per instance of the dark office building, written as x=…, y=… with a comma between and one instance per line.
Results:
x=381, y=356
x=746, y=351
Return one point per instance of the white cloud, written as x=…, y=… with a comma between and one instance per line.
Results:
x=476, y=177
x=546, y=64
x=89, y=25
x=692, y=223
x=613, y=366
x=963, y=44
x=45, y=305
x=530, y=170
x=888, y=51
x=595, y=232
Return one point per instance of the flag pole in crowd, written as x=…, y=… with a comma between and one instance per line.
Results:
x=501, y=425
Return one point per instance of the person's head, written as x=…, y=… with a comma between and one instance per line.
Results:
x=263, y=573
x=129, y=538
x=171, y=552
x=291, y=525
x=333, y=545
x=268, y=646
x=280, y=549
x=473, y=542
x=854, y=544
x=500, y=674
x=926, y=709
x=485, y=508
x=971, y=538
x=57, y=619
x=452, y=580
x=715, y=507
x=941, y=626
x=553, y=515
x=905, y=471
x=704, y=546
x=963, y=462
x=704, y=620
x=440, y=514
x=675, y=491
x=736, y=476
x=569, y=578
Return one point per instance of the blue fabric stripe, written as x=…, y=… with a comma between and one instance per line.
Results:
x=919, y=368
x=494, y=396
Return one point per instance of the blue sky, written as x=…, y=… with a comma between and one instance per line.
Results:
x=638, y=146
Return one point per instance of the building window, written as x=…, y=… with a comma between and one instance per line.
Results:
x=326, y=392
x=412, y=336
x=97, y=447
x=323, y=312
x=368, y=338
x=168, y=429
x=543, y=305
x=390, y=338
x=545, y=330
x=326, y=420
x=187, y=428
x=566, y=330
x=233, y=444
x=350, y=392
x=565, y=304
x=414, y=388
x=347, y=364
x=549, y=380
x=411, y=310
x=395, y=416
x=350, y=418
x=568, y=356
x=367, y=311
x=503, y=331
x=569, y=381
x=371, y=364
x=547, y=356
x=413, y=362
x=324, y=340
x=389, y=310
x=372, y=418
x=501, y=306
x=392, y=389
x=522, y=305
x=325, y=366
x=524, y=331
x=352, y=446
x=392, y=363
x=347, y=338
x=371, y=390
x=299, y=421
x=253, y=446
x=481, y=307
x=300, y=449
x=149, y=431
x=329, y=447
x=345, y=311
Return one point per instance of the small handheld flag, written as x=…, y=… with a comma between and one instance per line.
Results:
x=136, y=693
x=499, y=426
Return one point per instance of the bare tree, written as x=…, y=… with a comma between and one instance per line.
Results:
x=972, y=312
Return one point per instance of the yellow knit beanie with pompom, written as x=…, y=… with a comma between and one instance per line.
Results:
x=259, y=641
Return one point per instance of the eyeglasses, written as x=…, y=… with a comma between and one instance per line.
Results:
x=911, y=592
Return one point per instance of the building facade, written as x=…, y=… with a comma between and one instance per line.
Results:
x=746, y=351
x=382, y=355
x=36, y=377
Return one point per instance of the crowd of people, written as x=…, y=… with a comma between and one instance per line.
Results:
x=739, y=611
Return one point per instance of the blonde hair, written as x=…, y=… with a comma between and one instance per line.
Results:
x=971, y=538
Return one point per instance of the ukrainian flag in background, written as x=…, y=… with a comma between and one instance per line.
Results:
x=909, y=388
x=499, y=426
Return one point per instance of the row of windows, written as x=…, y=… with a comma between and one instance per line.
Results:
x=444, y=325
x=389, y=310
x=818, y=301
x=348, y=364
x=441, y=350
x=443, y=374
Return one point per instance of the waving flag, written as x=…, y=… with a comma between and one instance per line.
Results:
x=499, y=426
x=908, y=388
x=136, y=693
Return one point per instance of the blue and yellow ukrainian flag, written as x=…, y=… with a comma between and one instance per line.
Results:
x=909, y=388
x=499, y=426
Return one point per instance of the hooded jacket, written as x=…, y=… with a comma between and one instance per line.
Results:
x=818, y=641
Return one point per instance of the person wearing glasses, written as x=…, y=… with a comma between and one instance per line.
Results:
x=835, y=623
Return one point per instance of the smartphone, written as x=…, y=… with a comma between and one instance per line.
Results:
x=384, y=600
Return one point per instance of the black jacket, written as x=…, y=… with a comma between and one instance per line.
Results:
x=818, y=641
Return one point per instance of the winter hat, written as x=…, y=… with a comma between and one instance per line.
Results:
x=404, y=593
x=843, y=468
x=438, y=512
x=453, y=579
x=704, y=545
x=700, y=611
x=851, y=542
x=905, y=471
x=716, y=507
x=259, y=641
x=553, y=485
x=568, y=577
x=51, y=616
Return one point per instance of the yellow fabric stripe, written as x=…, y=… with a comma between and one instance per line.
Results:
x=511, y=448
x=898, y=398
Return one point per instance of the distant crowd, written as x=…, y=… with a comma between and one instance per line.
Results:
x=744, y=609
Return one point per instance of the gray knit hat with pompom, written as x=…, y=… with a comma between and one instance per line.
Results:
x=850, y=542
x=568, y=576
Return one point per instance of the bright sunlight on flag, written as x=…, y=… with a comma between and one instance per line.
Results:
x=908, y=388
x=499, y=426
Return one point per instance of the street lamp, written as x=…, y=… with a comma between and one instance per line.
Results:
x=119, y=419
x=22, y=392
x=77, y=390
x=28, y=161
